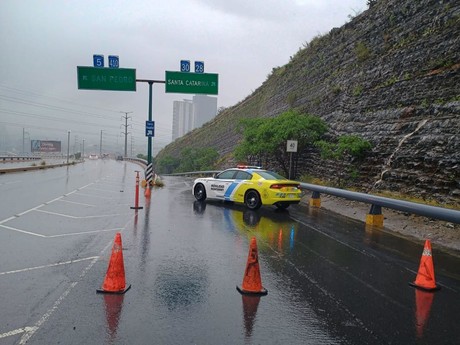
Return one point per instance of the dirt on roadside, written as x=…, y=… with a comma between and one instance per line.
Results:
x=443, y=234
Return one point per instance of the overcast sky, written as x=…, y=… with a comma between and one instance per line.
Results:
x=43, y=41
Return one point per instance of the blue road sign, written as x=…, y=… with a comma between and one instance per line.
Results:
x=184, y=65
x=199, y=67
x=114, y=62
x=149, y=128
x=98, y=60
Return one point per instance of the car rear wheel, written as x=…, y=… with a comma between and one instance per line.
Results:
x=199, y=192
x=252, y=200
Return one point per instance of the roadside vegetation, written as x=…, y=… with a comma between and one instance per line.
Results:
x=264, y=139
x=348, y=152
x=264, y=142
x=190, y=159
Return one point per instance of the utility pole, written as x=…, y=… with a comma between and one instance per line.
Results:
x=126, y=130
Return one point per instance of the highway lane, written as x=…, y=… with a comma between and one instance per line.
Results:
x=330, y=280
x=53, y=224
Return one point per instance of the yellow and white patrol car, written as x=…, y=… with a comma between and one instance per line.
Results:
x=249, y=185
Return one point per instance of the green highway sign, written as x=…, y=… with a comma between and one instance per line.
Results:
x=112, y=79
x=198, y=83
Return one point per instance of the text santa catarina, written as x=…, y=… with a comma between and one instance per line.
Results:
x=197, y=83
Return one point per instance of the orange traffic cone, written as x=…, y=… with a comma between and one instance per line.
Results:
x=252, y=284
x=147, y=191
x=425, y=277
x=114, y=281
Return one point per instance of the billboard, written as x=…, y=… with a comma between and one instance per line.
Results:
x=45, y=146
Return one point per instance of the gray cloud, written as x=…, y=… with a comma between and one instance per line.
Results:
x=44, y=41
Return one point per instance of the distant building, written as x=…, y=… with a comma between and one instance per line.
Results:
x=190, y=114
x=182, y=118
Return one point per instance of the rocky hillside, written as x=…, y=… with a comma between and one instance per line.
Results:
x=391, y=75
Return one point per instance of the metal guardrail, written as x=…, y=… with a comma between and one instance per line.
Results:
x=400, y=205
x=136, y=160
x=207, y=172
x=18, y=158
x=36, y=167
x=434, y=212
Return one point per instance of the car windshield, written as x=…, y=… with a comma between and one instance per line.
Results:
x=270, y=175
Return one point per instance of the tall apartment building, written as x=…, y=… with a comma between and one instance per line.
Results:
x=182, y=118
x=190, y=114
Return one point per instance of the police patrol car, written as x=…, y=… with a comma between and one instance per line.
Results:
x=249, y=185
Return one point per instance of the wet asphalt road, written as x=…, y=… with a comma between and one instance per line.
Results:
x=330, y=280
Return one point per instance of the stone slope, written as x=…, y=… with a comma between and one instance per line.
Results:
x=391, y=75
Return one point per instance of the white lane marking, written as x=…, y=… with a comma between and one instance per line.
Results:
x=30, y=210
x=50, y=265
x=80, y=217
x=17, y=331
x=77, y=203
x=41, y=205
x=25, y=338
x=60, y=235
x=7, y=219
x=21, y=231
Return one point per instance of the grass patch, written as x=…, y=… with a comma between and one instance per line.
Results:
x=409, y=198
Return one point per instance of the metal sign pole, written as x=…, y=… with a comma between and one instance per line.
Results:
x=149, y=170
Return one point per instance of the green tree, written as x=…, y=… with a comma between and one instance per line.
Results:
x=264, y=139
x=193, y=159
x=167, y=164
x=207, y=158
x=348, y=147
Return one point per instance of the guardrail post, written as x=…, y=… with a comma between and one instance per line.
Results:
x=315, y=200
x=375, y=216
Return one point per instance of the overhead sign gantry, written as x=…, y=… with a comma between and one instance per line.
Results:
x=114, y=78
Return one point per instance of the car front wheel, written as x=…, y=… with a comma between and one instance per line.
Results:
x=199, y=192
x=252, y=200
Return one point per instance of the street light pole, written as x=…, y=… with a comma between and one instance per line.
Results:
x=68, y=145
x=83, y=153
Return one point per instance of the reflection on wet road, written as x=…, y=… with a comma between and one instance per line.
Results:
x=330, y=280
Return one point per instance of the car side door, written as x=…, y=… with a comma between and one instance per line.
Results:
x=218, y=186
